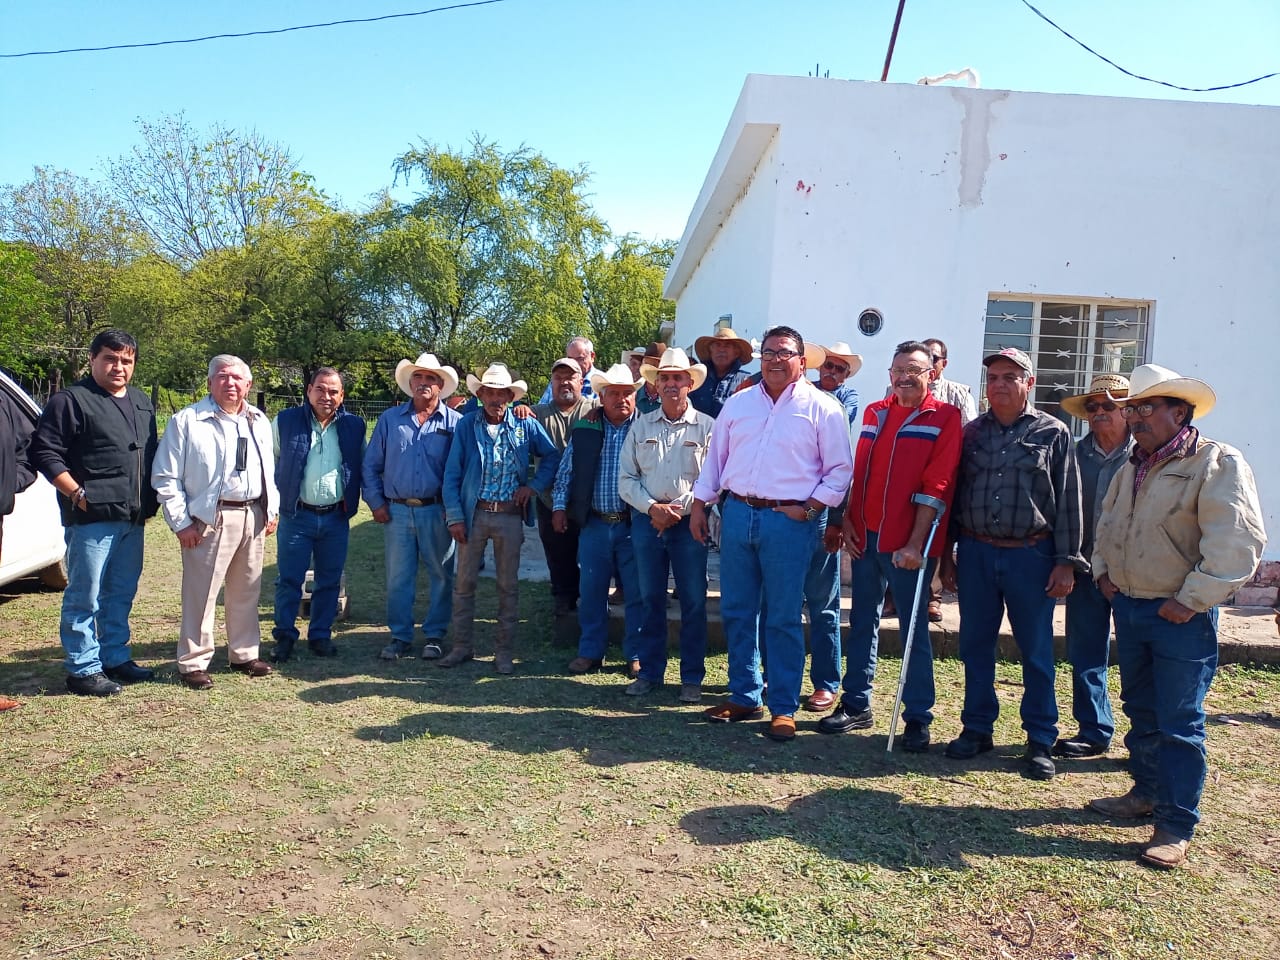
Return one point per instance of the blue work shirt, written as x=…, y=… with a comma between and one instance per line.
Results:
x=405, y=459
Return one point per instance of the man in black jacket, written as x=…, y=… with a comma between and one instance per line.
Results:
x=95, y=442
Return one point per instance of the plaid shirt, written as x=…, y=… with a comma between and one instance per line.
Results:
x=1019, y=481
x=604, y=492
x=499, y=472
x=1182, y=444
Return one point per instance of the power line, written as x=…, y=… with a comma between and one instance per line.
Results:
x=247, y=33
x=1138, y=76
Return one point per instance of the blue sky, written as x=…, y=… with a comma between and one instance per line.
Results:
x=637, y=92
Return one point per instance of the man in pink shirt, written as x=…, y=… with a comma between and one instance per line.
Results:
x=780, y=455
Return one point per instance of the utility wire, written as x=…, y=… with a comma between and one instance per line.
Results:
x=247, y=33
x=1138, y=76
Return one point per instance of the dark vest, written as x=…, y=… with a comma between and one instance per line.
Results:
x=112, y=457
x=295, y=444
x=588, y=440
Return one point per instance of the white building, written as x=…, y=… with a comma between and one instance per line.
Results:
x=1092, y=232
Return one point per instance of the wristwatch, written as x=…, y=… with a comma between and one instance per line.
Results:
x=78, y=497
x=813, y=513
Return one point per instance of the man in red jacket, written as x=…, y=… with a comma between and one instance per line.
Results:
x=910, y=443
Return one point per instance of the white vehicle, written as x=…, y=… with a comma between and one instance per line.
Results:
x=33, y=541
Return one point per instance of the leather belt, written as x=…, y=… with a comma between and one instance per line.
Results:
x=497, y=506
x=761, y=502
x=1008, y=543
x=620, y=516
x=236, y=504
x=319, y=508
x=419, y=501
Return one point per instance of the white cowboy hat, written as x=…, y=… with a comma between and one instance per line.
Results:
x=814, y=356
x=676, y=360
x=619, y=375
x=497, y=376
x=428, y=362
x=842, y=351
x=1153, y=380
x=1110, y=385
x=702, y=345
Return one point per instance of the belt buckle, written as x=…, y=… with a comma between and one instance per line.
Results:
x=489, y=506
x=412, y=502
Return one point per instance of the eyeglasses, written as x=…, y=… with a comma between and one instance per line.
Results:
x=1141, y=409
x=908, y=371
x=1093, y=406
x=783, y=355
x=835, y=367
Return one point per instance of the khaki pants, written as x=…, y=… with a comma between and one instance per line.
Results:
x=230, y=554
x=506, y=530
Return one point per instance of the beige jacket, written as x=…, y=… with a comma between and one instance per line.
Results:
x=1194, y=532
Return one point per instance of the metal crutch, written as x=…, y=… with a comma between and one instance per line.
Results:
x=939, y=508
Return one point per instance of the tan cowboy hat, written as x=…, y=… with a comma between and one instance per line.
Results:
x=814, y=356
x=619, y=375
x=1110, y=385
x=723, y=335
x=676, y=360
x=842, y=351
x=1153, y=380
x=498, y=377
x=405, y=370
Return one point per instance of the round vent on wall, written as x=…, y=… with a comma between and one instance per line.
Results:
x=870, y=322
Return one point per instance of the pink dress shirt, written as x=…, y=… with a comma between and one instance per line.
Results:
x=794, y=449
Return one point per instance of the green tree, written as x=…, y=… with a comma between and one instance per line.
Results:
x=200, y=193
x=622, y=291
x=28, y=314
x=79, y=239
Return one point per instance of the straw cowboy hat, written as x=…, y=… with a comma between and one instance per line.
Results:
x=1110, y=385
x=405, y=370
x=497, y=376
x=1153, y=380
x=723, y=335
x=619, y=375
x=676, y=360
x=842, y=351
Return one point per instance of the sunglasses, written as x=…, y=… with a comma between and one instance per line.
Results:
x=835, y=367
x=1093, y=406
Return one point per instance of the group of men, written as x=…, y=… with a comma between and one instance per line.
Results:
x=1143, y=522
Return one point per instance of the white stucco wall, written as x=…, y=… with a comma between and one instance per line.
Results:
x=922, y=201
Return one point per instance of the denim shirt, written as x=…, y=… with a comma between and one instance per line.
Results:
x=462, y=472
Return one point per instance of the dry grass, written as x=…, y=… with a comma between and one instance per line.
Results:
x=354, y=808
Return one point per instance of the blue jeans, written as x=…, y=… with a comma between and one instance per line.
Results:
x=1088, y=648
x=601, y=546
x=104, y=562
x=872, y=572
x=418, y=534
x=309, y=541
x=990, y=580
x=1165, y=672
x=688, y=562
x=764, y=559
x=822, y=599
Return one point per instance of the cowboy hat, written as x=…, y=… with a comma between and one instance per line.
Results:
x=498, y=377
x=814, y=356
x=405, y=370
x=1153, y=380
x=723, y=335
x=653, y=353
x=619, y=375
x=842, y=351
x=1111, y=385
x=676, y=360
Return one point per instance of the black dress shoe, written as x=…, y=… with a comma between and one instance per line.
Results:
x=283, y=650
x=1077, y=748
x=968, y=745
x=915, y=739
x=197, y=680
x=1036, y=764
x=843, y=720
x=93, y=685
x=322, y=647
x=129, y=672
x=253, y=668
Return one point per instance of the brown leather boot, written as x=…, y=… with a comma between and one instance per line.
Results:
x=454, y=657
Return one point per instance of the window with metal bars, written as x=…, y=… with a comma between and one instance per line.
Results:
x=1069, y=340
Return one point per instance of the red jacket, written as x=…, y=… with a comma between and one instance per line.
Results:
x=924, y=456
